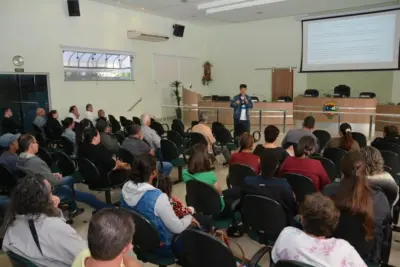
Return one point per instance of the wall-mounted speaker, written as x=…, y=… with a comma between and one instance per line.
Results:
x=179, y=30
x=73, y=8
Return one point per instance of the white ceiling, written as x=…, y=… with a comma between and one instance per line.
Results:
x=175, y=9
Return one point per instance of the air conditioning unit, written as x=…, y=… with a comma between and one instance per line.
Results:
x=136, y=35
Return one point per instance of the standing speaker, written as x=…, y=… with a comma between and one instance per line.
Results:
x=73, y=8
x=179, y=30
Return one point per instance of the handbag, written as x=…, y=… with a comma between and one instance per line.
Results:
x=222, y=235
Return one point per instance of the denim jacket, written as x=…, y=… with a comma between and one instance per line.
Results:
x=237, y=108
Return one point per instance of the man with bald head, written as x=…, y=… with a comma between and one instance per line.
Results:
x=40, y=119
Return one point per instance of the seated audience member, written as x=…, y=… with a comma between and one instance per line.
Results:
x=106, y=138
x=149, y=134
x=275, y=188
x=90, y=115
x=270, y=149
x=345, y=141
x=8, y=124
x=101, y=115
x=135, y=144
x=376, y=175
x=33, y=208
x=140, y=195
x=303, y=165
x=74, y=113
x=294, y=135
x=92, y=150
x=245, y=155
x=110, y=237
x=40, y=119
x=205, y=130
x=199, y=169
x=314, y=246
x=54, y=124
x=390, y=134
x=69, y=132
x=9, y=156
x=354, y=195
x=32, y=164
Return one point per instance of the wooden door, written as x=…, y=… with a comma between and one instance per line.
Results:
x=282, y=83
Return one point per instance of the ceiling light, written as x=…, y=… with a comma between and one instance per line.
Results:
x=241, y=5
x=219, y=3
x=142, y=8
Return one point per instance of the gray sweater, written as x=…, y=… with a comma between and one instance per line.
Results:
x=60, y=243
x=33, y=164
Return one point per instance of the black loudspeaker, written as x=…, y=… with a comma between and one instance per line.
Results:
x=73, y=8
x=179, y=30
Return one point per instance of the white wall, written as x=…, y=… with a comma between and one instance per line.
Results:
x=237, y=49
x=37, y=31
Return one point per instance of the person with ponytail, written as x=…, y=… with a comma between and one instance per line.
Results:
x=345, y=141
x=357, y=200
x=245, y=154
x=140, y=195
x=303, y=165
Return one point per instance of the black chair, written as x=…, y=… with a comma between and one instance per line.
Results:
x=391, y=160
x=171, y=153
x=177, y=139
x=323, y=137
x=136, y=120
x=53, y=134
x=301, y=185
x=204, y=250
x=19, y=261
x=126, y=156
x=360, y=138
x=64, y=163
x=224, y=138
x=329, y=167
x=96, y=182
x=115, y=126
x=197, y=138
x=203, y=198
x=123, y=121
x=67, y=146
x=121, y=135
x=264, y=216
x=146, y=240
x=335, y=155
x=356, y=237
x=389, y=146
x=45, y=156
x=216, y=126
x=237, y=174
x=7, y=181
x=158, y=127
x=290, y=264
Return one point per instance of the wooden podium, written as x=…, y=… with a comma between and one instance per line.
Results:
x=191, y=100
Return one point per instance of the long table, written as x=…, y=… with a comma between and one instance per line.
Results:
x=384, y=120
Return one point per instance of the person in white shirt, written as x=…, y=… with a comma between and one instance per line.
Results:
x=241, y=105
x=90, y=115
x=319, y=217
x=74, y=114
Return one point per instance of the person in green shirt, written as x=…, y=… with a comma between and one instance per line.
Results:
x=199, y=169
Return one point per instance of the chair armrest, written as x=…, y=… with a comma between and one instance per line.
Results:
x=166, y=125
x=117, y=177
x=259, y=254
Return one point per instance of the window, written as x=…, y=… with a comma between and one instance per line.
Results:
x=97, y=66
x=169, y=68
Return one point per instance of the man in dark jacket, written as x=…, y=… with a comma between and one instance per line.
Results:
x=8, y=124
x=106, y=138
x=241, y=104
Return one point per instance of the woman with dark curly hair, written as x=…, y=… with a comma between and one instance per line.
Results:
x=313, y=246
x=33, y=212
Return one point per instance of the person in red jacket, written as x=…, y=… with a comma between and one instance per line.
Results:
x=245, y=155
x=303, y=165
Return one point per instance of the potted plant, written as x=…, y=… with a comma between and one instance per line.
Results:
x=176, y=93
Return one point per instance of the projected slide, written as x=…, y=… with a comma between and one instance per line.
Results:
x=357, y=42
